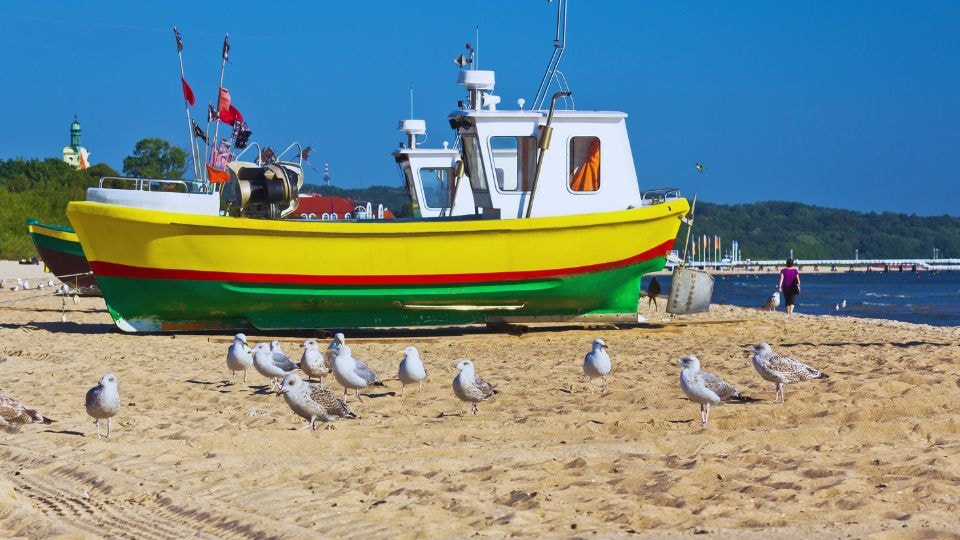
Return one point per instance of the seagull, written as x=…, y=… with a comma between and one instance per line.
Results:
x=278, y=354
x=780, y=369
x=312, y=362
x=312, y=401
x=773, y=302
x=468, y=387
x=597, y=364
x=843, y=304
x=700, y=168
x=411, y=369
x=653, y=291
x=693, y=385
x=335, y=343
x=239, y=356
x=13, y=413
x=836, y=307
x=351, y=373
x=103, y=401
x=268, y=366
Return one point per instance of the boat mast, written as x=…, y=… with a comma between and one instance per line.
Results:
x=559, y=43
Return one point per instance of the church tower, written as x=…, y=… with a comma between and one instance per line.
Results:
x=76, y=155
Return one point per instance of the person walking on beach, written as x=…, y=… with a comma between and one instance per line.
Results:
x=789, y=285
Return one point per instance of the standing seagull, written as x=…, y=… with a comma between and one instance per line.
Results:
x=278, y=354
x=351, y=373
x=103, y=401
x=597, y=364
x=312, y=362
x=14, y=413
x=780, y=369
x=338, y=342
x=411, y=369
x=468, y=387
x=773, y=302
x=653, y=291
x=270, y=367
x=312, y=401
x=239, y=357
x=693, y=385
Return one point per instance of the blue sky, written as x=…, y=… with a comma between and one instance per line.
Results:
x=852, y=104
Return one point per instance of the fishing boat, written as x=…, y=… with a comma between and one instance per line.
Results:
x=552, y=234
x=60, y=250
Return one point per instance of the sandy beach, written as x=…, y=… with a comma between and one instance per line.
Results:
x=873, y=451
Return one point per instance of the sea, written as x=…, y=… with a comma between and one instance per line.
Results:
x=923, y=298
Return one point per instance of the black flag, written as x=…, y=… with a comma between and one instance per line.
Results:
x=226, y=47
x=199, y=132
x=212, y=113
x=177, y=35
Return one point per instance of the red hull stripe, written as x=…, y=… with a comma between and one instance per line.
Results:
x=108, y=269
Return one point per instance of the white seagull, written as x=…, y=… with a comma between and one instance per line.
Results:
x=773, y=302
x=780, y=369
x=411, y=369
x=103, y=401
x=597, y=364
x=239, y=356
x=312, y=401
x=693, y=385
x=351, y=373
x=467, y=386
x=268, y=366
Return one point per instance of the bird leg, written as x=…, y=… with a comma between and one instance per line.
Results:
x=357, y=390
x=703, y=417
x=706, y=417
x=97, y=422
x=311, y=425
x=402, y=386
x=421, y=387
x=780, y=389
x=475, y=409
x=108, y=427
x=603, y=384
x=590, y=380
x=244, y=376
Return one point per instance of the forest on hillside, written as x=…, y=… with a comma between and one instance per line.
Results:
x=769, y=230
x=41, y=189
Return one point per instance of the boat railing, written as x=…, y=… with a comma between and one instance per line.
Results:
x=153, y=184
x=657, y=196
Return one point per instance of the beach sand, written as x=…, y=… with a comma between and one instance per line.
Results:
x=874, y=451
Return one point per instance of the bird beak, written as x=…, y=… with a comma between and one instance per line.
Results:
x=401, y=353
x=749, y=349
x=604, y=346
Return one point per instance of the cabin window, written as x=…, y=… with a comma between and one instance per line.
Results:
x=472, y=162
x=584, y=164
x=436, y=187
x=515, y=161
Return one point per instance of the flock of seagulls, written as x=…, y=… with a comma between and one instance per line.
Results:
x=317, y=403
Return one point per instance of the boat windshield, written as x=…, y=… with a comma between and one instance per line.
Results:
x=473, y=163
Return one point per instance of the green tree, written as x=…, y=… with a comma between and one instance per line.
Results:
x=155, y=158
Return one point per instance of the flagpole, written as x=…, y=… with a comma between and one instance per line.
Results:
x=223, y=65
x=186, y=105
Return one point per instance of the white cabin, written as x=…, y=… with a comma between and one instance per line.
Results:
x=587, y=165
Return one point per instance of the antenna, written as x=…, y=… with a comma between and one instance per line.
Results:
x=559, y=43
x=411, y=102
x=476, y=56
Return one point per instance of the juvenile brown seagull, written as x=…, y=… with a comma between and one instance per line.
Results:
x=780, y=369
x=14, y=414
x=312, y=401
x=470, y=388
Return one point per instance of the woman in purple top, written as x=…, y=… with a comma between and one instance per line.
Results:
x=789, y=285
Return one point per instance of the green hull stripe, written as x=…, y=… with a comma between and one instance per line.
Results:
x=180, y=304
x=56, y=244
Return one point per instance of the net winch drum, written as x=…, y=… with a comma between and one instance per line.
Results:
x=268, y=192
